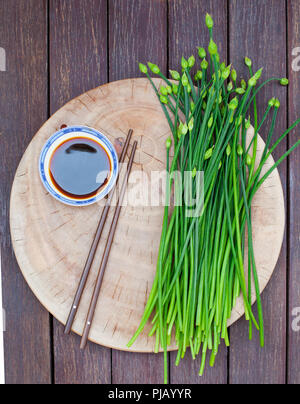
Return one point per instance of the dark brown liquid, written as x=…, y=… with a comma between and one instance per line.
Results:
x=80, y=167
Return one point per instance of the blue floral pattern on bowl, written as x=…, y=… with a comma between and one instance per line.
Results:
x=61, y=135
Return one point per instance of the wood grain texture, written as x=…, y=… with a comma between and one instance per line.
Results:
x=23, y=105
x=258, y=30
x=78, y=48
x=187, y=30
x=73, y=366
x=293, y=376
x=137, y=33
x=78, y=62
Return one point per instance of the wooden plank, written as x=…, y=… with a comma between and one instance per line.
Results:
x=293, y=367
x=73, y=366
x=187, y=30
x=78, y=48
x=23, y=105
x=258, y=30
x=78, y=62
x=133, y=368
x=137, y=32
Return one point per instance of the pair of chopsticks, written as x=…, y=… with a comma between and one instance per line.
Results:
x=106, y=252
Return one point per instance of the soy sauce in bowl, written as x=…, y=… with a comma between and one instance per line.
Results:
x=78, y=165
x=79, y=168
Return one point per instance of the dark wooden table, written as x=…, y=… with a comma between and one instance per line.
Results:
x=57, y=49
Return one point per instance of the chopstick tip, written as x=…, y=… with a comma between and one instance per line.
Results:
x=82, y=344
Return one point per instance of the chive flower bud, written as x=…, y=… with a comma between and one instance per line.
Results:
x=169, y=89
x=233, y=104
x=209, y=21
x=239, y=150
x=175, y=88
x=192, y=106
x=230, y=86
x=252, y=82
x=168, y=143
x=191, y=61
x=217, y=57
x=154, y=68
x=204, y=105
x=198, y=75
x=271, y=102
x=204, y=64
x=233, y=75
x=258, y=74
x=163, y=90
x=188, y=88
x=212, y=48
x=248, y=123
x=208, y=153
x=277, y=103
x=228, y=150
x=210, y=122
x=163, y=99
x=240, y=90
x=239, y=121
x=194, y=172
x=184, y=80
x=184, y=129
x=226, y=73
x=191, y=124
x=143, y=68
x=284, y=81
x=211, y=89
x=222, y=66
x=184, y=63
x=179, y=129
x=243, y=84
x=175, y=75
x=201, y=53
x=248, y=160
x=248, y=62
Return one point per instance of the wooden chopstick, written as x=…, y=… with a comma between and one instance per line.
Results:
x=94, y=245
x=106, y=252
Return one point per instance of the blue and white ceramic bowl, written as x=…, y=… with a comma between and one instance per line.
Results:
x=61, y=137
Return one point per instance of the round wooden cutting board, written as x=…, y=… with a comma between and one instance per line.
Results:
x=51, y=240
